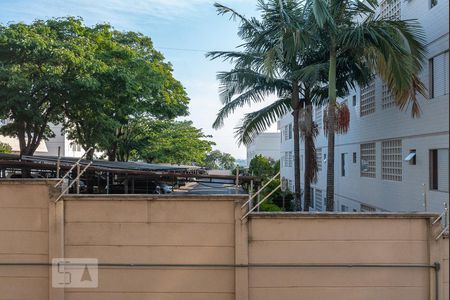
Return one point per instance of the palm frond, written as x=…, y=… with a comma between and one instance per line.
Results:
x=257, y=122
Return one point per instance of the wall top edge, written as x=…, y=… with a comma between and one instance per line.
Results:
x=343, y=215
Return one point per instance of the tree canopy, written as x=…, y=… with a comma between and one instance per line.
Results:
x=220, y=160
x=93, y=80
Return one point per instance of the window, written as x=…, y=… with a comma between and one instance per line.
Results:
x=439, y=78
x=76, y=147
x=290, y=186
x=343, y=164
x=312, y=204
x=319, y=159
x=344, y=207
x=387, y=100
x=318, y=200
x=367, y=105
x=318, y=116
x=354, y=157
x=285, y=133
x=368, y=160
x=290, y=131
x=433, y=3
x=439, y=170
x=390, y=9
x=354, y=100
x=367, y=208
x=391, y=160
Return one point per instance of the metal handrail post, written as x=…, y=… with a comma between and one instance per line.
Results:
x=260, y=202
x=259, y=191
x=72, y=183
x=78, y=178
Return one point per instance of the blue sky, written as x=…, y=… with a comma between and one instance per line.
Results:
x=181, y=29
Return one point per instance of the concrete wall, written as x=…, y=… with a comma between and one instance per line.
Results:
x=344, y=239
x=199, y=230
x=163, y=230
x=24, y=237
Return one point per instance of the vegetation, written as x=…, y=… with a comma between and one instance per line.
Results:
x=158, y=141
x=266, y=168
x=111, y=91
x=220, y=160
x=393, y=49
x=300, y=53
x=5, y=148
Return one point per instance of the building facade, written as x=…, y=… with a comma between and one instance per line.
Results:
x=389, y=161
x=266, y=144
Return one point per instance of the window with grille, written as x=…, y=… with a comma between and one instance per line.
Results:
x=439, y=70
x=290, y=131
x=318, y=116
x=391, y=160
x=387, y=100
x=344, y=207
x=286, y=133
x=367, y=105
x=290, y=186
x=290, y=159
x=390, y=9
x=368, y=160
x=318, y=200
x=319, y=159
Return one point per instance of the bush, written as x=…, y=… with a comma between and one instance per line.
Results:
x=5, y=148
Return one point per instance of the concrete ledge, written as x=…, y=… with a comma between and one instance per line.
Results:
x=343, y=215
x=146, y=197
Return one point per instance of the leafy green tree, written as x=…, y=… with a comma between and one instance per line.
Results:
x=220, y=160
x=394, y=50
x=176, y=142
x=5, y=148
x=34, y=67
x=261, y=166
x=131, y=81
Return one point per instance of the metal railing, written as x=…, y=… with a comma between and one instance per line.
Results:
x=251, y=197
x=444, y=216
x=77, y=179
x=73, y=167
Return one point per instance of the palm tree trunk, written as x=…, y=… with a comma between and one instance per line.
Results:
x=296, y=113
x=308, y=145
x=331, y=125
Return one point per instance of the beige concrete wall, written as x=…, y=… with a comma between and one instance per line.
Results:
x=24, y=225
x=163, y=230
x=328, y=239
x=208, y=230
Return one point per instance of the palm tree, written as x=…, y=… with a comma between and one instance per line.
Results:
x=393, y=49
x=266, y=66
x=281, y=57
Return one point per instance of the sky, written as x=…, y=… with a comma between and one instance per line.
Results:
x=183, y=30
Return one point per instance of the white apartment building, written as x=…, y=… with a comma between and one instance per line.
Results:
x=68, y=148
x=266, y=144
x=389, y=161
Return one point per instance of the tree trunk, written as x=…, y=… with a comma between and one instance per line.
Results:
x=308, y=145
x=331, y=125
x=295, y=113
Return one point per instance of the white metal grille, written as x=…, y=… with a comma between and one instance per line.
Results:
x=387, y=100
x=390, y=9
x=318, y=196
x=391, y=160
x=319, y=159
x=318, y=116
x=367, y=105
x=368, y=160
